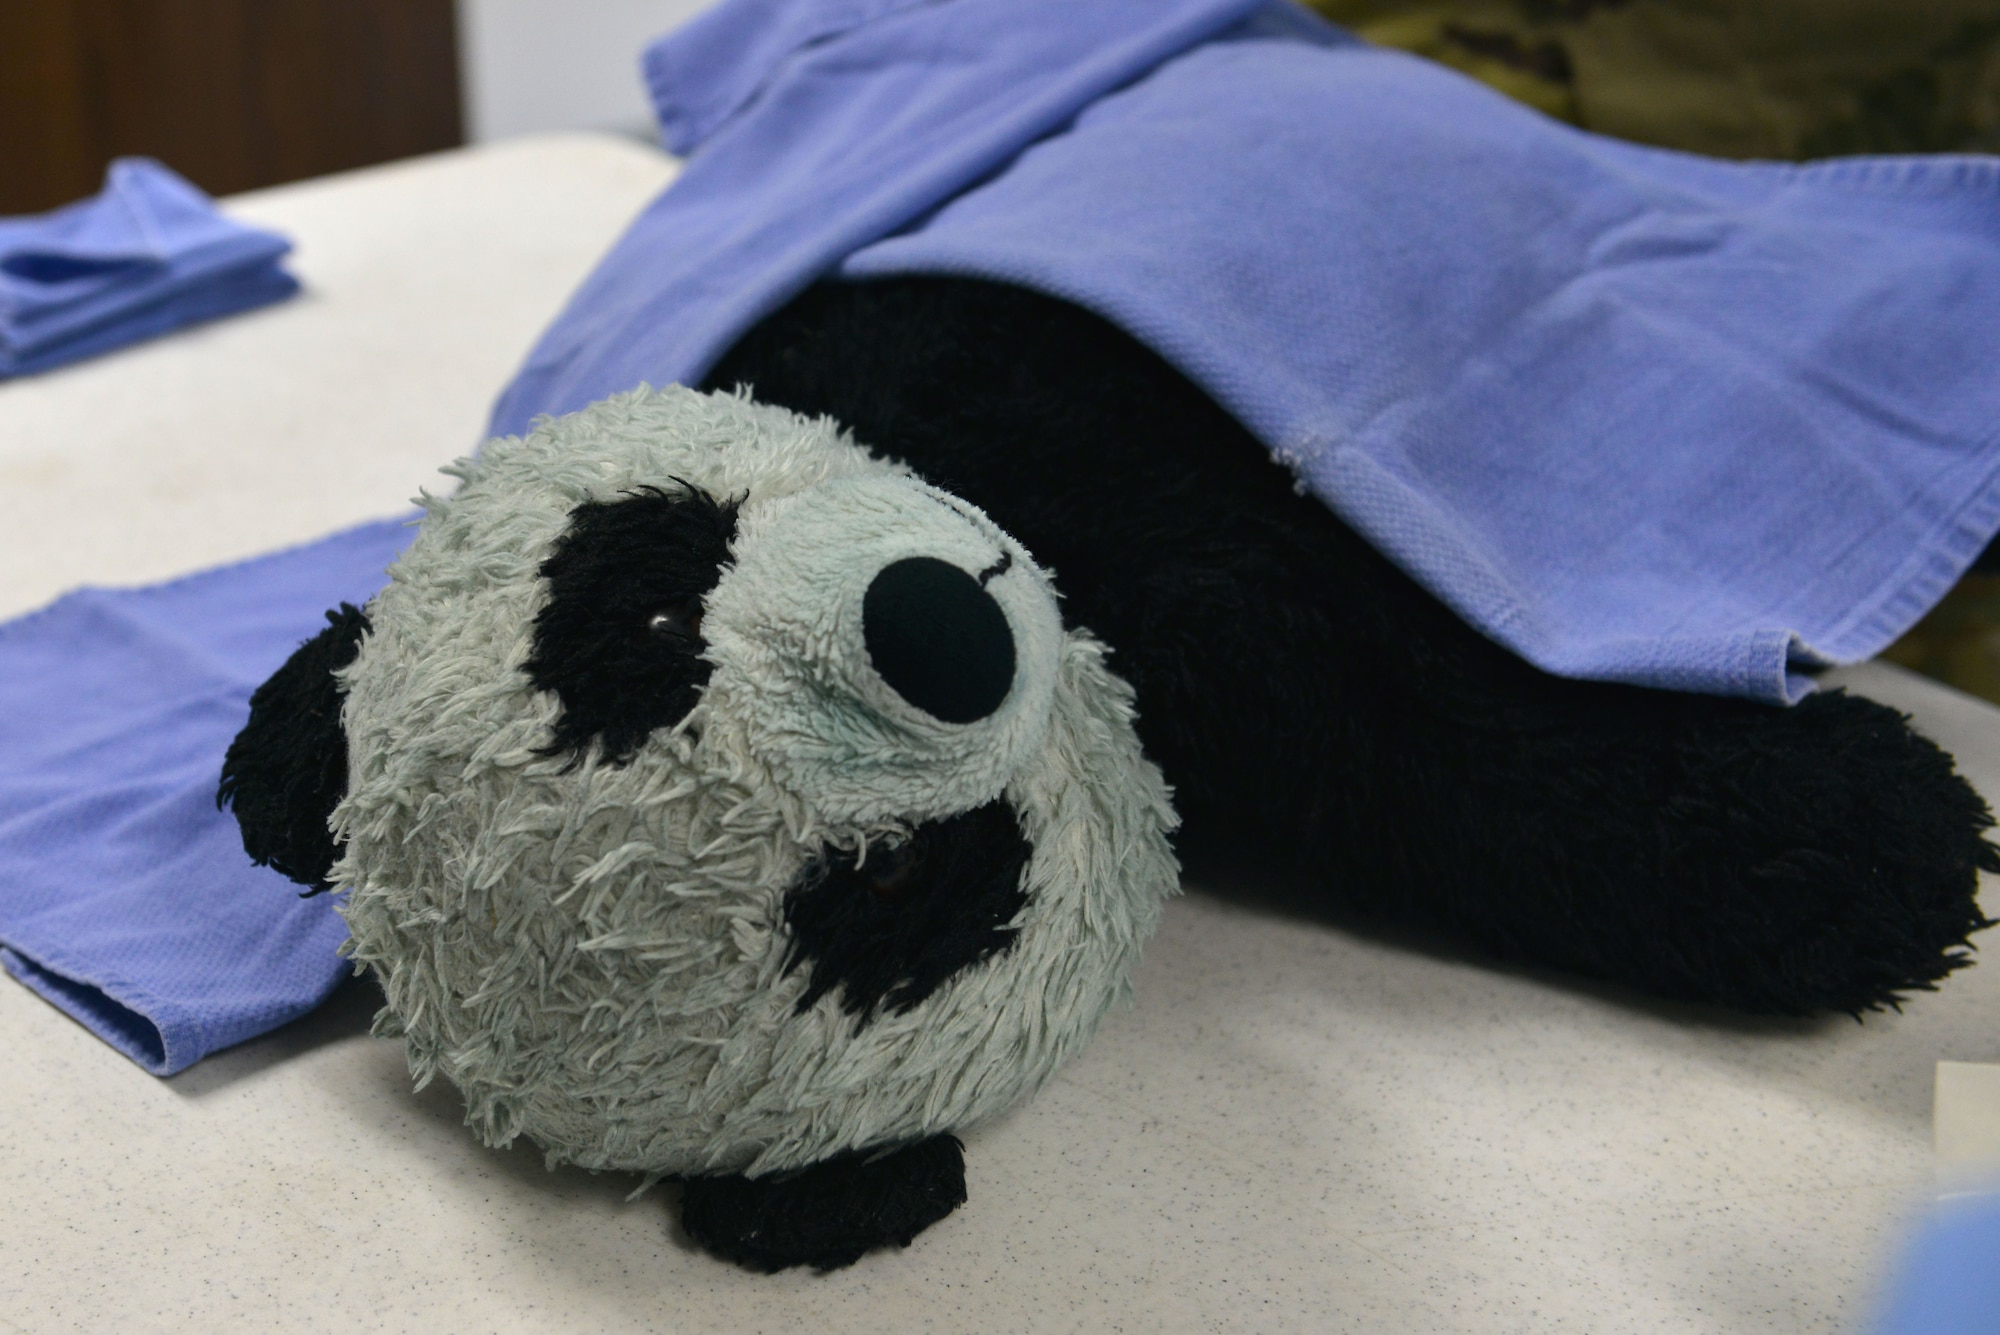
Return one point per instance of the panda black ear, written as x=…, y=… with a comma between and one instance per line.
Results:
x=287, y=769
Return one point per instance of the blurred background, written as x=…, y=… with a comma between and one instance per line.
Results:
x=236, y=94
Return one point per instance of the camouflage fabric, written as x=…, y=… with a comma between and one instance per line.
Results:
x=1731, y=78
x=1958, y=643
x=1747, y=79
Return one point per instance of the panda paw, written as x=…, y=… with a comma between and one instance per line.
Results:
x=1821, y=858
x=1834, y=855
x=830, y=1213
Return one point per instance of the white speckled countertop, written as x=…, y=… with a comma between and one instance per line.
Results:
x=1296, y=1128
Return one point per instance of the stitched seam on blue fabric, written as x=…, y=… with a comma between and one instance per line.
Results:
x=1928, y=574
x=1953, y=173
x=162, y=1014
x=1508, y=613
x=1966, y=530
x=56, y=991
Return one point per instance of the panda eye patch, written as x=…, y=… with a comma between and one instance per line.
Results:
x=889, y=929
x=619, y=640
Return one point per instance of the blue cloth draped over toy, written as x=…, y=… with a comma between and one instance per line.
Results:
x=1636, y=414
x=146, y=255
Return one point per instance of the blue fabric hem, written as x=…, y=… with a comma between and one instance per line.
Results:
x=141, y=1027
x=1927, y=576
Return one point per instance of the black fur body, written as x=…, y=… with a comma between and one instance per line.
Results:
x=1332, y=730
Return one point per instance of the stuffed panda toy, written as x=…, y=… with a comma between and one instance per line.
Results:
x=755, y=785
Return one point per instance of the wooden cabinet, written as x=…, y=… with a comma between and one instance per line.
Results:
x=233, y=94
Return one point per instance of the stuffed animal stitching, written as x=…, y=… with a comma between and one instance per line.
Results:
x=608, y=840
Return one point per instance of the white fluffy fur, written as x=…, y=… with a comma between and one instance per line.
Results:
x=595, y=955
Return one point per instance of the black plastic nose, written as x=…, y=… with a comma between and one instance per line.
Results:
x=938, y=639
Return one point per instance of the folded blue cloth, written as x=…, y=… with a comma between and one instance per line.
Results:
x=1638, y=415
x=125, y=896
x=146, y=255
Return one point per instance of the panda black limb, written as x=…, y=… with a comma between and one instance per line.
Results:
x=1335, y=734
x=830, y=1214
x=287, y=769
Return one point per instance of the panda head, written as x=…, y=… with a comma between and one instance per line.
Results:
x=714, y=797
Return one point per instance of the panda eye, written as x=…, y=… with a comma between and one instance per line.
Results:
x=676, y=621
x=892, y=872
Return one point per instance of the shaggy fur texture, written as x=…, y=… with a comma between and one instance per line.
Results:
x=1330, y=728
x=598, y=953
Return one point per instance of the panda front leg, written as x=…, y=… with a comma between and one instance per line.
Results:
x=1329, y=725
x=829, y=1214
